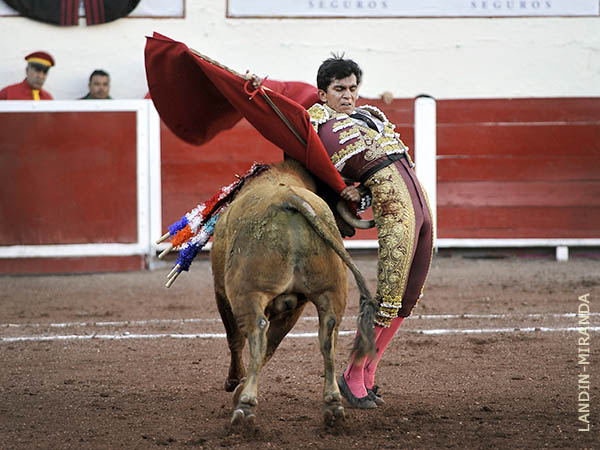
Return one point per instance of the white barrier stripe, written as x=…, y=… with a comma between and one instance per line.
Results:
x=308, y=318
x=499, y=316
x=436, y=332
x=503, y=330
x=87, y=337
x=110, y=323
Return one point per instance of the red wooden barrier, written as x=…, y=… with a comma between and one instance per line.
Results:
x=68, y=178
x=520, y=168
x=72, y=178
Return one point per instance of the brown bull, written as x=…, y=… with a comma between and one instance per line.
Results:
x=276, y=248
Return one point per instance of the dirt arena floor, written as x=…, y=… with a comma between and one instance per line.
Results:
x=488, y=360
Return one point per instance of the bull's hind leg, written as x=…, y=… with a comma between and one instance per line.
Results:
x=329, y=321
x=255, y=325
x=235, y=341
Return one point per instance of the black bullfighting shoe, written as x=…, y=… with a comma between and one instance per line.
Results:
x=355, y=402
x=372, y=394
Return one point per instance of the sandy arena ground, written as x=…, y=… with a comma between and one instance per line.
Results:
x=488, y=360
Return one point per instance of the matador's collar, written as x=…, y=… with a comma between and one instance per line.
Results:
x=321, y=113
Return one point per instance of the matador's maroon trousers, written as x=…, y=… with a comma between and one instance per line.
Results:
x=360, y=376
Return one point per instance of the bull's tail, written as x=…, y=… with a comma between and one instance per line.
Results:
x=364, y=344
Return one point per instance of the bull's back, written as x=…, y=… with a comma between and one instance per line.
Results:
x=264, y=244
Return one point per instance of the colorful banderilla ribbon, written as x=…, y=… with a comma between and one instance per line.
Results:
x=190, y=234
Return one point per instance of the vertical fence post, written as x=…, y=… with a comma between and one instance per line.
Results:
x=155, y=227
x=143, y=177
x=426, y=151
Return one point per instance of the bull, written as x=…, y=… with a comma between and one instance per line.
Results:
x=275, y=248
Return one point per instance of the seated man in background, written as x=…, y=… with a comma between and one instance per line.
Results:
x=99, y=86
x=38, y=64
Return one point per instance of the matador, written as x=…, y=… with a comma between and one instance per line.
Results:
x=364, y=147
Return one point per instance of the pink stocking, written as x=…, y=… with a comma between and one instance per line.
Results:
x=354, y=378
x=383, y=338
x=354, y=372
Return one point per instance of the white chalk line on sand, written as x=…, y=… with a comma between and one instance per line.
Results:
x=124, y=323
x=436, y=332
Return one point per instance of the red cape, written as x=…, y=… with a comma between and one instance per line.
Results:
x=197, y=99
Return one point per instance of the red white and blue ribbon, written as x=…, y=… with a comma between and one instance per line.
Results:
x=191, y=233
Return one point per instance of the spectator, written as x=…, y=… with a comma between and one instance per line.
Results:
x=99, y=86
x=38, y=64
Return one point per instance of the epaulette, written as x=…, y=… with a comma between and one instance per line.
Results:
x=319, y=114
x=378, y=113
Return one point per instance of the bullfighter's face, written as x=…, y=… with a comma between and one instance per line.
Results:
x=341, y=94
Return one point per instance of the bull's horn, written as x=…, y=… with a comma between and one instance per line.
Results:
x=362, y=224
x=165, y=251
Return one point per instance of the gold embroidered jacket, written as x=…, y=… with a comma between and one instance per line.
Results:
x=352, y=146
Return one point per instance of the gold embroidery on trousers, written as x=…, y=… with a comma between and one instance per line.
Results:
x=388, y=310
x=395, y=220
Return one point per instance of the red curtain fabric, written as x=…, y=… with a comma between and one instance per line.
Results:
x=197, y=99
x=66, y=12
x=102, y=11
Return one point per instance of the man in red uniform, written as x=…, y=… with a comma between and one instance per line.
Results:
x=38, y=64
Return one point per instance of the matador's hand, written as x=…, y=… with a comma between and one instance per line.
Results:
x=350, y=193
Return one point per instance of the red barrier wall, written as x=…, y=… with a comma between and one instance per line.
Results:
x=72, y=178
x=68, y=178
x=520, y=168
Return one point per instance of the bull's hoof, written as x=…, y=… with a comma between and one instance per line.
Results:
x=333, y=413
x=243, y=406
x=243, y=417
x=237, y=417
x=243, y=413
